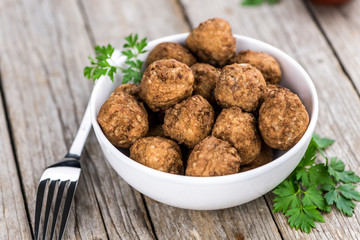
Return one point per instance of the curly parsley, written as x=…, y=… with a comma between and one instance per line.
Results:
x=315, y=187
x=105, y=61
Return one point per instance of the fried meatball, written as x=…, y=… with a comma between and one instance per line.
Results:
x=213, y=157
x=212, y=41
x=166, y=82
x=265, y=156
x=267, y=65
x=240, y=85
x=205, y=79
x=190, y=121
x=158, y=153
x=129, y=88
x=283, y=119
x=271, y=87
x=170, y=50
x=123, y=119
x=239, y=129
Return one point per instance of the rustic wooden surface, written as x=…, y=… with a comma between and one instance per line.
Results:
x=44, y=47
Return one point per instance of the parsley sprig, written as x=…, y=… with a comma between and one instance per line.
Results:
x=103, y=64
x=257, y=2
x=314, y=187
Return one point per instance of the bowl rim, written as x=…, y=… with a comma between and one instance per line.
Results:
x=232, y=178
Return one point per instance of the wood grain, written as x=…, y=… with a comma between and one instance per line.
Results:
x=111, y=21
x=339, y=103
x=14, y=222
x=169, y=221
x=341, y=25
x=248, y=221
x=44, y=49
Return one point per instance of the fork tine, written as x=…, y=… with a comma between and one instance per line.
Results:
x=48, y=205
x=68, y=201
x=57, y=207
x=38, y=207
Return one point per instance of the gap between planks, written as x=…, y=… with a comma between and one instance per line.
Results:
x=328, y=41
x=91, y=36
x=13, y=150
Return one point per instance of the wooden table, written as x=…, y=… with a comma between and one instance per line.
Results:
x=43, y=49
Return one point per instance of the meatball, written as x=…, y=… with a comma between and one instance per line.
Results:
x=283, y=119
x=271, y=87
x=158, y=153
x=212, y=41
x=265, y=156
x=170, y=50
x=205, y=79
x=213, y=157
x=166, y=82
x=123, y=119
x=190, y=121
x=239, y=129
x=129, y=88
x=240, y=85
x=265, y=63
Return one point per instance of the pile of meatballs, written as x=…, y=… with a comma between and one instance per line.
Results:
x=204, y=110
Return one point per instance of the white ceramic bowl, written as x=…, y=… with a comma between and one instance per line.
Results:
x=208, y=193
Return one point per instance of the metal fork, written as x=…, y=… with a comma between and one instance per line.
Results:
x=55, y=179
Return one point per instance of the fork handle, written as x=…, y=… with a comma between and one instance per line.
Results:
x=80, y=139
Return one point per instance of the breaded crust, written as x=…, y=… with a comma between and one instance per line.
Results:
x=129, y=88
x=240, y=130
x=123, y=119
x=170, y=50
x=264, y=62
x=212, y=41
x=265, y=156
x=240, y=85
x=190, y=121
x=205, y=79
x=158, y=153
x=213, y=157
x=283, y=119
x=166, y=82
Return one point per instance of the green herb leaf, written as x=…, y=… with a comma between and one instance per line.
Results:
x=348, y=191
x=348, y=177
x=304, y=217
x=101, y=67
x=257, y=2
x=252, y=2
x=287, y=197
x=319, y=174
x=313, y=187
x=322, y=143
x=336, y=166
x=313, y=196
x=343, y=204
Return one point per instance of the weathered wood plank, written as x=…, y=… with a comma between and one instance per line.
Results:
x=155, y=19
x=152, y=19
x=122, y=207
x=248, y=221
x=14, y=222
x=341, y=25
x=339, y=103
x=44, y=49
x=34, y=80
